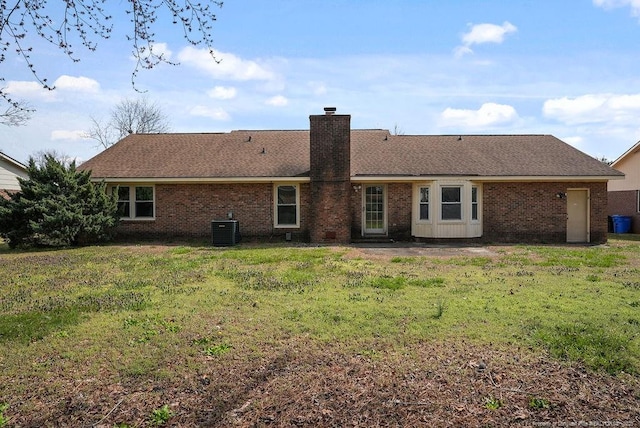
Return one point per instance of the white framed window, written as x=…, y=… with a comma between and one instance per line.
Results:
x=425, y=203
x=287, y=205
x=136, y=202
x=474, y=203
x=124, y=201
x=451, y=203
x=638, y=201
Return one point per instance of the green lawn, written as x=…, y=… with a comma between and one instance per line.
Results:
x=161, y=313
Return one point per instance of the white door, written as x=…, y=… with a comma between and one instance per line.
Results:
x=374, y=210
x=578, y=215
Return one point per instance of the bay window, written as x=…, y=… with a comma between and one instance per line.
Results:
x=451, y=203
x=474, y=203
x=424, y=203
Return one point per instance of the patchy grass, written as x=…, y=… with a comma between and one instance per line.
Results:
x=111, y=334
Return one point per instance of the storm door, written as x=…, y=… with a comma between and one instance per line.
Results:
x=374, y=210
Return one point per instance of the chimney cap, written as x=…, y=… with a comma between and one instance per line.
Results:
x=329, y=110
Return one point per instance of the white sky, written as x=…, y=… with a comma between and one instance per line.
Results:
x=567, y=68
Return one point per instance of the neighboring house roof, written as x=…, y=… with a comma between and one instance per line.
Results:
x=633, y=150
x=10, y=170
x=629, y=164
x=374, y=153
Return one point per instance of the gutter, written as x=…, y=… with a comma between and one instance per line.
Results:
x=358, y=179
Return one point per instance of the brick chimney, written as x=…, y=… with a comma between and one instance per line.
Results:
x=330, y=155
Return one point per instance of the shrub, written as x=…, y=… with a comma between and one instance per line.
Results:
x=57, y=205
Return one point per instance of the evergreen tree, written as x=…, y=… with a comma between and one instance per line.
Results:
x=57, y=206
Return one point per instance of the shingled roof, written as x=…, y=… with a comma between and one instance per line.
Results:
x=374, y=153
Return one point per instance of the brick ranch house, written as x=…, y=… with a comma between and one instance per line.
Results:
x=624, y=195
x=332, y=184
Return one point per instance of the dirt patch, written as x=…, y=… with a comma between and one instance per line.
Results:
x=421, y=250
x=306, y=385
x=437, y=386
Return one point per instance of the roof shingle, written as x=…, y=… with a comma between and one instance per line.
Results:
x=260, y=154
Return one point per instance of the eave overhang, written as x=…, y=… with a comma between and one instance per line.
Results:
x=199, y=180
x=634, y=149
x=359, y=179
x=530, y=178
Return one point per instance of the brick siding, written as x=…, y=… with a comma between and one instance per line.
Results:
x=330, y=220
x=400, y=209
x=186, y=211
x=330, y=160
x=512, y=212
x=625, y=202
x=532, y=212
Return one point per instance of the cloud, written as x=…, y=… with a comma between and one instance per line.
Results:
x=488, y=115
x=61, y=134
x=161, y=49
x=593, y=108
x=28, y=90
x=460, y=51
x=222, y=93
x=612, y=4
x=34, y=91
x=212, y=113
x=318, y=88
x=575, y=141
x=79, y=84
x=277, y=101
x=484, y=33
x=229, y=66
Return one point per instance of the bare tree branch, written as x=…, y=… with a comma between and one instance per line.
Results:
x=102, y=133
x=138, y=117
x=88, y=21
x=40, y=157
x=129, y=117
x=17, y=113
x=604, y=160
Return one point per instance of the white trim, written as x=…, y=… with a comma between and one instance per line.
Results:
x=15, y=163
x=587, y=213
x=633, y=149
x=478, y=203
x=203, y=180
x=385, y=208
x=417, y=196
x=132, y=200
x=477, y=178
x=275, y=206
x=356, y=179
x=461, y=202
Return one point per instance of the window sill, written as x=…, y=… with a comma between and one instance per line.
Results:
x=140, y=219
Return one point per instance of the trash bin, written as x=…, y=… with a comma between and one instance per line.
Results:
x=225, y=232
x=621, y=223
